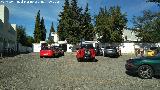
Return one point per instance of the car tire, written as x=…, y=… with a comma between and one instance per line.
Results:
x=41, y=57
x=79, y=60
x=94, y=60
x=145, y=72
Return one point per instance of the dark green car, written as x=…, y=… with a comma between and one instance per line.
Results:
x=145, y=67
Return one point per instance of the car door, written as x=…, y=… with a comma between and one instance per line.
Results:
x=155, y=62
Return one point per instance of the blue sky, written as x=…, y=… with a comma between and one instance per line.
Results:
x=24, y=14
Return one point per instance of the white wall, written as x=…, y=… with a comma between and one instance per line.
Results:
x=127, y=48
x=69, y=47
x=36, y=47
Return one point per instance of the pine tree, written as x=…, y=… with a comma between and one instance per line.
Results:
x=42, y=30
x=64, y=21
x=37, y=28
x=75, y=23
x=52, y=28
x=87, y=27
x=50, y=39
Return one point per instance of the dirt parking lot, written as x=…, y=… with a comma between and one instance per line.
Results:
x=29, y=72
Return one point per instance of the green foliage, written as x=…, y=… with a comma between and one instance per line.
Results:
x=29, y=41
x=87, y=27
x=52, y=28
x=64, y=21
x=42, y=30
x=21, y=35
x=148, y=26
x=36, y=33
x=69, y=24
x=50, y=39
x=109, y=24
x=74, y=30
x=39, y=30
x=23, y=38
x=73, y=24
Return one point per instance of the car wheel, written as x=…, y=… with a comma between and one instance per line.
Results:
x=79, y=60
x=94, y=60
x=145, y=72
x=41, y=57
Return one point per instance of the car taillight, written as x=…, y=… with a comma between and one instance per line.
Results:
x=129, y=60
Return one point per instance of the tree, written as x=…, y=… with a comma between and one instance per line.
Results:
x=109, y=24
x=21, y=35
x=42, y=30
x=69, y=27
x=36, y=33
x=64, y=21
x=52, y=28
x=87, y=26
x=147, y=26
x=156, y=1
x=74, y=31
x=29, y=41
x=50, y=39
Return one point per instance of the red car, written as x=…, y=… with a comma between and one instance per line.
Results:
x=86, y=52
x=47, y=52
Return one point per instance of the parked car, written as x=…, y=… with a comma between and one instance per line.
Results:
x=59, y=51
x=47, y=52
x=145, y=67
x=99, y=52
x=111, y=51
x=152, y=51
x=86, y=52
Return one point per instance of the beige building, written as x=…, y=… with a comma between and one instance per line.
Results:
x=8, y=34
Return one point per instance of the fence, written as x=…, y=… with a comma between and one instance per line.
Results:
x=14, y=49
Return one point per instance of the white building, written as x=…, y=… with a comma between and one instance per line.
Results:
x=129, y=35
x=8, y=34
x=54, y=36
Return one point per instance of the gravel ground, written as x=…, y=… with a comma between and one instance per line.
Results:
x=29, y=72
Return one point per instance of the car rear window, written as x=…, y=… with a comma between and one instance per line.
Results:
x=87, y=46
x=110, y=47
x=153, y=48
x=45, y=48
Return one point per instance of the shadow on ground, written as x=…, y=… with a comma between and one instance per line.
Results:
x=136, y=75
x=131, y=74
x=95, y=60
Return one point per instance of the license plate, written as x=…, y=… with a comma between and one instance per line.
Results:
x=45, y=54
